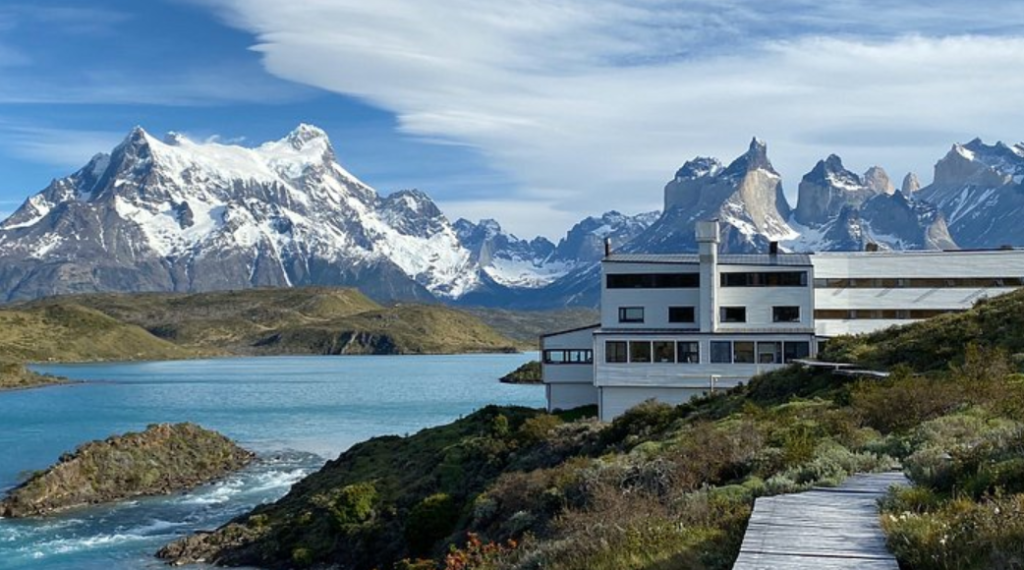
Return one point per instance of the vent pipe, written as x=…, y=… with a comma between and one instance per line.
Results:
x=773, y=248
x=607, y=246
x=871, y=246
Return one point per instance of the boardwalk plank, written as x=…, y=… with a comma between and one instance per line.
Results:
x=825, y=528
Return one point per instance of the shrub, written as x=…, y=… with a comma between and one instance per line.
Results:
x=430, y=520
x=537, y=429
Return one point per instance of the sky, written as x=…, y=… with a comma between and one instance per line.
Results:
x=534, y=112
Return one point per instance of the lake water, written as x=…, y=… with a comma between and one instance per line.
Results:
x=296, y=412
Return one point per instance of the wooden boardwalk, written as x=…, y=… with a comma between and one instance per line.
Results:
x=824, y=528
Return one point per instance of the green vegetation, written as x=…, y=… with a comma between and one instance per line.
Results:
x=165, y=326
x=69, y=332
x=526, y=327
x=14, y=376
x=672, y=487
x=161, y=460
x=529, y=373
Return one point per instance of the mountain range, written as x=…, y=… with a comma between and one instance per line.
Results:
x=173, y=214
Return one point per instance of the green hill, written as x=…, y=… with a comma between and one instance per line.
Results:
x=159, y=326
x=69, y=332
x=223, y=320
x=403, y=329
x=666, y=487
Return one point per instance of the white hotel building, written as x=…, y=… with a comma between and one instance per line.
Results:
x=677, y=326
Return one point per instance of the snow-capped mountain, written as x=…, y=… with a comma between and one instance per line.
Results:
x=979, y=189
x=746, y=196
x=839, y=210
x=180, y=215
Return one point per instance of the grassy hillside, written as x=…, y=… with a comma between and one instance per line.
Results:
x=68, y=332
x=526, y=326
x=226, y=320
x=15, y=376
x=403, y=329
x=672, y=487
x=314, y=320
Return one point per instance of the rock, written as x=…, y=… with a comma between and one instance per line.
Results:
x=164, y=459
x=910, y=184
x=877, y=179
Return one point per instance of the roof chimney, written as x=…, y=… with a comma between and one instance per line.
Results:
x=607, y=246
x=773, y=247
x=871, y=246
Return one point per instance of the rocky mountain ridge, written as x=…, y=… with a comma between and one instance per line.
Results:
x=177, y=215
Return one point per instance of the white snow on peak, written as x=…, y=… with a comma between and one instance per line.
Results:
x=963, y=151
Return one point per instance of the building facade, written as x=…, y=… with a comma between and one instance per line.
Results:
x=678, y=326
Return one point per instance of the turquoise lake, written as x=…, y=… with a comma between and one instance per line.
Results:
x=295, y=412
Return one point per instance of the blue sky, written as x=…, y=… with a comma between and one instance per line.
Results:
x=535, y=112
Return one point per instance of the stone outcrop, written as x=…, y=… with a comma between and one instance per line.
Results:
x=163, y=459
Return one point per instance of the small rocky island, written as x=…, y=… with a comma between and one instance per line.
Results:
x=529, y=373
x=163, y=459
x=15, y=376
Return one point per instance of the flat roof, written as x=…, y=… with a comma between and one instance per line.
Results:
x=577, y=329
x=766, y=259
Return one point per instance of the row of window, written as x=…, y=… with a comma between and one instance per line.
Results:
x=653, y=280
x=886, y=314
x=780, y=314
x=688, y=352
x=765, y=279
x=569, y=356
x=919, y=283
x=692, y=280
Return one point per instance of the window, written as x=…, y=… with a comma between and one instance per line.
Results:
x=920, y=282
x=795, y=350
x=886, y=314
x=615, y=351
x=743, y=352
x=769, y=353
x=681, y=315
x=765, y=279
x=582, y=356
x=733, y=314
x=664, y=351
x=631, y=314
x=721, y=352
x=785, y=314
x=639, y=351
x=688, y=352
x=653, y=280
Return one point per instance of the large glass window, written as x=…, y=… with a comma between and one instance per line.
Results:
x=639, y=351
x=743, y=352
x=733, y=314
x=721, y=352
x=765, y=279
x=582, y=356
x=681, y=315
x=631, y=314
x=919, y=282
x=664, y=351
x=615, y=351
x=688, y=352
x=653, y=280
x=786, y=314
x=795, y=350
x=769, y=353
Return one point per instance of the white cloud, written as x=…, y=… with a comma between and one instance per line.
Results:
x=57, y=147
x=591, y=105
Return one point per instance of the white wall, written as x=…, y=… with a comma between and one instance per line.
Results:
x=760, y=300
x=907, y=265
x=615, y=401
x=568, y=373
x=654, y=301
x=569, y=396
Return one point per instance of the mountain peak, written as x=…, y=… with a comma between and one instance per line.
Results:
x=756, y=158
x=304, y=134
x=698, y=168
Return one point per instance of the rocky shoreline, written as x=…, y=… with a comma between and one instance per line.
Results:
x=14, y=376
x=163, y=459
